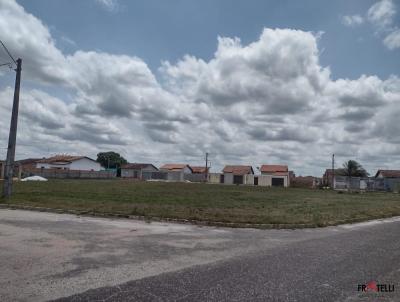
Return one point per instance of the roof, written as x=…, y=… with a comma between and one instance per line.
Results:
x=330, y=171
x=389, y=173
x=238, y=170
x=198, y=169
x=136, y=166
x=175, y=167
x=27, y=161
x=62, y=158
x=274, y=168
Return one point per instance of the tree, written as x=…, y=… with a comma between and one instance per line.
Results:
x=111, y=160
x=353, y=169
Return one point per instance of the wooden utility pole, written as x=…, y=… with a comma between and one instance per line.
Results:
x=206, y=167
x=9, y=165
x=333, y=171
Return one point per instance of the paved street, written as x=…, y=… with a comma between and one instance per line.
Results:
x=45, y=256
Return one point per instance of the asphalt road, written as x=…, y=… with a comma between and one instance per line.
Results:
x=47, y=256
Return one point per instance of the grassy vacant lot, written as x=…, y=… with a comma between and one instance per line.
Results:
x=216, y=203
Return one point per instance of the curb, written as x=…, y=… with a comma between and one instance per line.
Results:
x=183, y=221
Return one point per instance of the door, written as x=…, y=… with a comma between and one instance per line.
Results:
x=238, y=179
x=222, y=178
x=256, y=181
x=277, y=182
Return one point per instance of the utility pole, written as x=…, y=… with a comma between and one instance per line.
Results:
x=333, y=171
x=9, y=168
x=206, y=167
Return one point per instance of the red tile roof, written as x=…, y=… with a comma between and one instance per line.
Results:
x=238, y=170
x=197, y=169
x=274, y=168
x=389, y=173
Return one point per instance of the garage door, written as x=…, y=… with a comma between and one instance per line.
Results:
x=277, y=182
x=238, y=179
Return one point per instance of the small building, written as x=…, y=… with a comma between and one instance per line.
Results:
x=176, y=172
x=238, y=175
x=391, y=179
x=328, y=176
x=138, y=171
x=279, y=175
x=69, y=162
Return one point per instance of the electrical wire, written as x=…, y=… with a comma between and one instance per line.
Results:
x=12, y=58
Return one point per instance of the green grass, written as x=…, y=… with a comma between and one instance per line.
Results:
x=215, y=203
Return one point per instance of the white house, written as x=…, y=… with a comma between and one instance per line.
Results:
x=68, y=162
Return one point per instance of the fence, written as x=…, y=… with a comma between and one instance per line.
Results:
x=367, y=184
x=69, y=174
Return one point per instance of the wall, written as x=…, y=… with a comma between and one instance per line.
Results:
x=228, y=178
x=175, y=176
x=248, y=179
x=264, y=180
x=141, y=173
x=85, y=164
x=199, y=177
x=57, y=173
x=129, y=173
x=214, y=178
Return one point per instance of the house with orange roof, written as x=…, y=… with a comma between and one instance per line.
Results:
x=278, y=175
x=238, y=175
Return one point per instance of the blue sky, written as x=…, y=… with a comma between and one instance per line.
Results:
x=251, y=82
x=158, y=30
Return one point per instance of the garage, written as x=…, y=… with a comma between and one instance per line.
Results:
x=278, y=182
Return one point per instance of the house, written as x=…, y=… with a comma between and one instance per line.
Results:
x=238, y=175
x=390, y=179
x=69, y=162
x=176, y=172
x=328, y=176
x=137, y=171
x=177, y=168
x=277, y=175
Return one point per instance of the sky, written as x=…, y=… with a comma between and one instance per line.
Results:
x=251, y=82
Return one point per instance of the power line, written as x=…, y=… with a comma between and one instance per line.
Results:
x=9, y=54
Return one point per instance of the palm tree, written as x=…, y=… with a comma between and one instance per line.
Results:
x=352, y=168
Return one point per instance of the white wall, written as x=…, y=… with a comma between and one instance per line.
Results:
x=83, y=164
